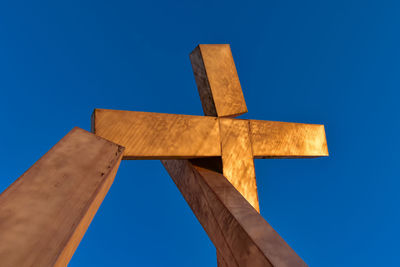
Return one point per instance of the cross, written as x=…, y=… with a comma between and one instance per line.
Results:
x=210, y=158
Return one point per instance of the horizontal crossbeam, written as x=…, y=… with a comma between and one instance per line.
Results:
x=274, y=139
x=147, y=135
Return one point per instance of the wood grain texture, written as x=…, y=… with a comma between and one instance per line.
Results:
x=273, y=139
x=220, y=260
x=242, y=232
x=237, y=158
x=45, y=213
x=254, y=242
x=147, y=135
x=184, y=176
x=221, y=148
x=238, y=163
x=217, y=80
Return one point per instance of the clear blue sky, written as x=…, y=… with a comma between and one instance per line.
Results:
x=330, y=62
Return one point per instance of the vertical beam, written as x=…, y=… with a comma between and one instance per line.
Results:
x=238, y=231
x=221, y=96
x=45, y=213
x=237, y=158
x=217, y=80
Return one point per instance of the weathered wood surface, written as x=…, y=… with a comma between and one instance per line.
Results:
x=238, y=231
x=273, y=139
x=237, y=158
x=221, y=96
x=217, y=80
x=147, y=135
x=45, y=213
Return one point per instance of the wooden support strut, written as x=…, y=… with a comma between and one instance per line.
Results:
x=238, y=231
x=45, y=213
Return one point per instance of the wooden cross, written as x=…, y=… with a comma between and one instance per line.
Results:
x=45, y=213
x=210, y=158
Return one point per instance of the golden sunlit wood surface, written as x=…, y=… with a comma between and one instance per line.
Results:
x=221, y=96
x=147, y=135
x=237, y=158
x=219, y=183
x=217, y=80
x=273, y=139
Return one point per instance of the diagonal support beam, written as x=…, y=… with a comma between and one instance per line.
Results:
x=187, y=180
x=237, y=230
x=45, y=213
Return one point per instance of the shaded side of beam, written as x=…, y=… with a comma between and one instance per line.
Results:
x=246, y=235
x=147, y=135
x=273, y=139
x=220, y=260
x=217, y=80
x=45, y=213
